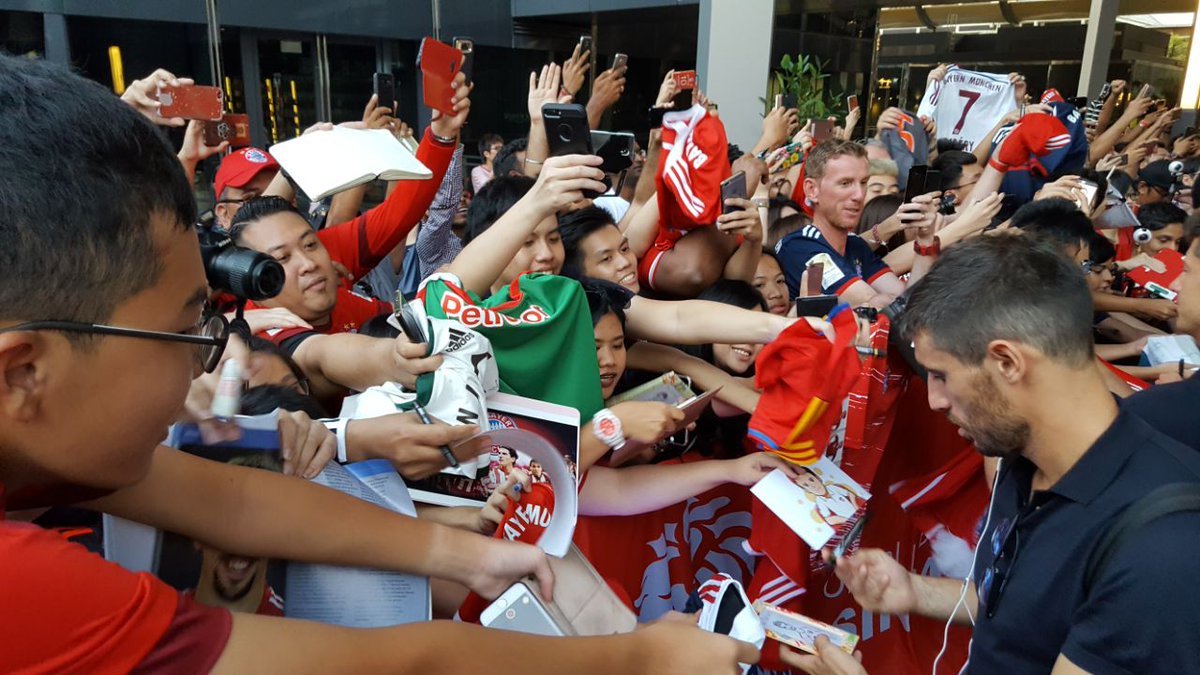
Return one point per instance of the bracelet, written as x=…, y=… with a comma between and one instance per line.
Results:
x=875, y=233
x=338, y=427
x=443, y=140
x=533, y=161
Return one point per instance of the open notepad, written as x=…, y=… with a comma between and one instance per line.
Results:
x=326, y=162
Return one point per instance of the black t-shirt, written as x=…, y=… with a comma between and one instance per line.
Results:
x=1139, y=617
x=1171, y=409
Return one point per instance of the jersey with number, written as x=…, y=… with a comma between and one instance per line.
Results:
x=540, y=328
x=966, y=104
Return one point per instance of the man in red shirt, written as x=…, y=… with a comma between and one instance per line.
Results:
x=96, y=364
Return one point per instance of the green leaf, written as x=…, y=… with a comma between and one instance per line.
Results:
x=786, y=62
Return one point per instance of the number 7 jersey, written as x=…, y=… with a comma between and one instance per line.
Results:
x=966, y=104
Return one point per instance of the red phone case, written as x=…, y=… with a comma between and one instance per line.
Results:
x=440, y=64
x=685, y=80
x=191, y=102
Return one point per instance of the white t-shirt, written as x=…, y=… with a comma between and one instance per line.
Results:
x=616, y=207
x=966, y=104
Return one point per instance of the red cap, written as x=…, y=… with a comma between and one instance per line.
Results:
x=241, y=166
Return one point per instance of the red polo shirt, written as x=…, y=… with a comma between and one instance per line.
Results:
x=65, y=610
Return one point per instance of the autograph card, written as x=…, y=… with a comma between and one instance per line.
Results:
x=801, y=632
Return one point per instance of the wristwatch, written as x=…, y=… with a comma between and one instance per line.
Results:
x=607, y=427
x=930, y=250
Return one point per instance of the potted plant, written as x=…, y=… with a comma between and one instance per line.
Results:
x=804, y=78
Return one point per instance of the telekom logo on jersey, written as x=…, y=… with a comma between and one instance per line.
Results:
x=472, y=315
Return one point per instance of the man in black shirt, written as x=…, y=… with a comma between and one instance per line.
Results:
x=1171, y=408
x=1003, y=325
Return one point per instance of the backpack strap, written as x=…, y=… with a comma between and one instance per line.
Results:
x=1163, y=501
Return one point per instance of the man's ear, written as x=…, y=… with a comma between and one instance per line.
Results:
x=1009, y=361
x=22, y=375
x=811, y=190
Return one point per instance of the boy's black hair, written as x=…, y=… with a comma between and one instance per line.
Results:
x=493, y=201
x=264, y=399
x=84, y=175
x=576, y=226
x=255, y=210
x=505, y=162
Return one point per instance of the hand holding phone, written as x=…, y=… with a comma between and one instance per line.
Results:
x=685, y=83
x=520, y=609
x=813, y=301
x=568, y=133
x=822, y=130
x=384, y=87
x=916, y=182
x=733, y=187
x=620, y=62
x=440, y=64
x=852, y=102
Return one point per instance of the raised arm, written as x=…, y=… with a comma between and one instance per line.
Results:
x=543, y=88
x=653, y=357
x=560, y=184
x=698, y=322
x=437, y=244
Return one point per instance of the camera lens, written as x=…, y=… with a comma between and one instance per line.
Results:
x=564, y=132
x=247, y=274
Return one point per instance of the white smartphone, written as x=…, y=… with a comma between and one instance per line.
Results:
x=519, y=610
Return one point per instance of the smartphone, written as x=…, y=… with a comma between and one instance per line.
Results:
x=815, y=303
x=519, y=610
x=191, y=102
x=620, y=61
x=655, y=117
x=933, y=180
x=916, y=182
x=1089, y=193
x=822, y=130
x=467, y=46
x=440, y=64
x=852, y=102
x=733, y=187
x=685, y=80
x=568, y=133
x=384, y=86
x=615, y=148
x=785, y=101
x=409, y=323
x=232, y=127
x=585, y=44
x=1080, y=102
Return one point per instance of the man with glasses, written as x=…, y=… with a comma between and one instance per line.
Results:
x=243, y=175
x=96, y=364
x=1003, y=326
x=960, y=172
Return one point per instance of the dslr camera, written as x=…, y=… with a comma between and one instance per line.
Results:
x=241, y=272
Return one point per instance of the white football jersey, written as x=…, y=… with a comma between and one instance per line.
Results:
x=966, y=104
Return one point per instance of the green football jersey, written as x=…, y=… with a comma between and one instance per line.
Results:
x=541, y=333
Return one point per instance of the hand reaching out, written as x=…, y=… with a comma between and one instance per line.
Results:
x=305, y=444
x=754, y=467
x=878, y=582
x=777, y=126
x=544, y=89
x=606, y=90
x=142, y=95
x=852, y=119
x=743, y=221
x=563, y=179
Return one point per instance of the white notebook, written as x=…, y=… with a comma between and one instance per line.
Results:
x=326, y=162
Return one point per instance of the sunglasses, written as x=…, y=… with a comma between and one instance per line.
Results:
x=1006, y=542
x=209, y=336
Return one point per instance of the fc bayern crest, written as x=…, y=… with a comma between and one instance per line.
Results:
x=498, y=421
x=256, y=156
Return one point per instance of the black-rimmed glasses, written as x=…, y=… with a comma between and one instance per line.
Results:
x=210, y=335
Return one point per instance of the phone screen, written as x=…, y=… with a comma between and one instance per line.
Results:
x=916, y=182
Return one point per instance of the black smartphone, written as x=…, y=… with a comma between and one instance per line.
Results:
x=733, y=187
x=916, y=182
x=466, y=45
x=385, y=89
x=585, y=44
x=615, y=148
x=785, y=101
x=655, y=117
x=933, y=180
x=620, y=61
x=409, y=323
x=1080, y=102
x=568, y=133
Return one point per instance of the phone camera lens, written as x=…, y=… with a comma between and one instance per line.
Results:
x=564, y=132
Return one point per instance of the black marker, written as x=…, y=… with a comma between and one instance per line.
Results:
x=847, y=541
